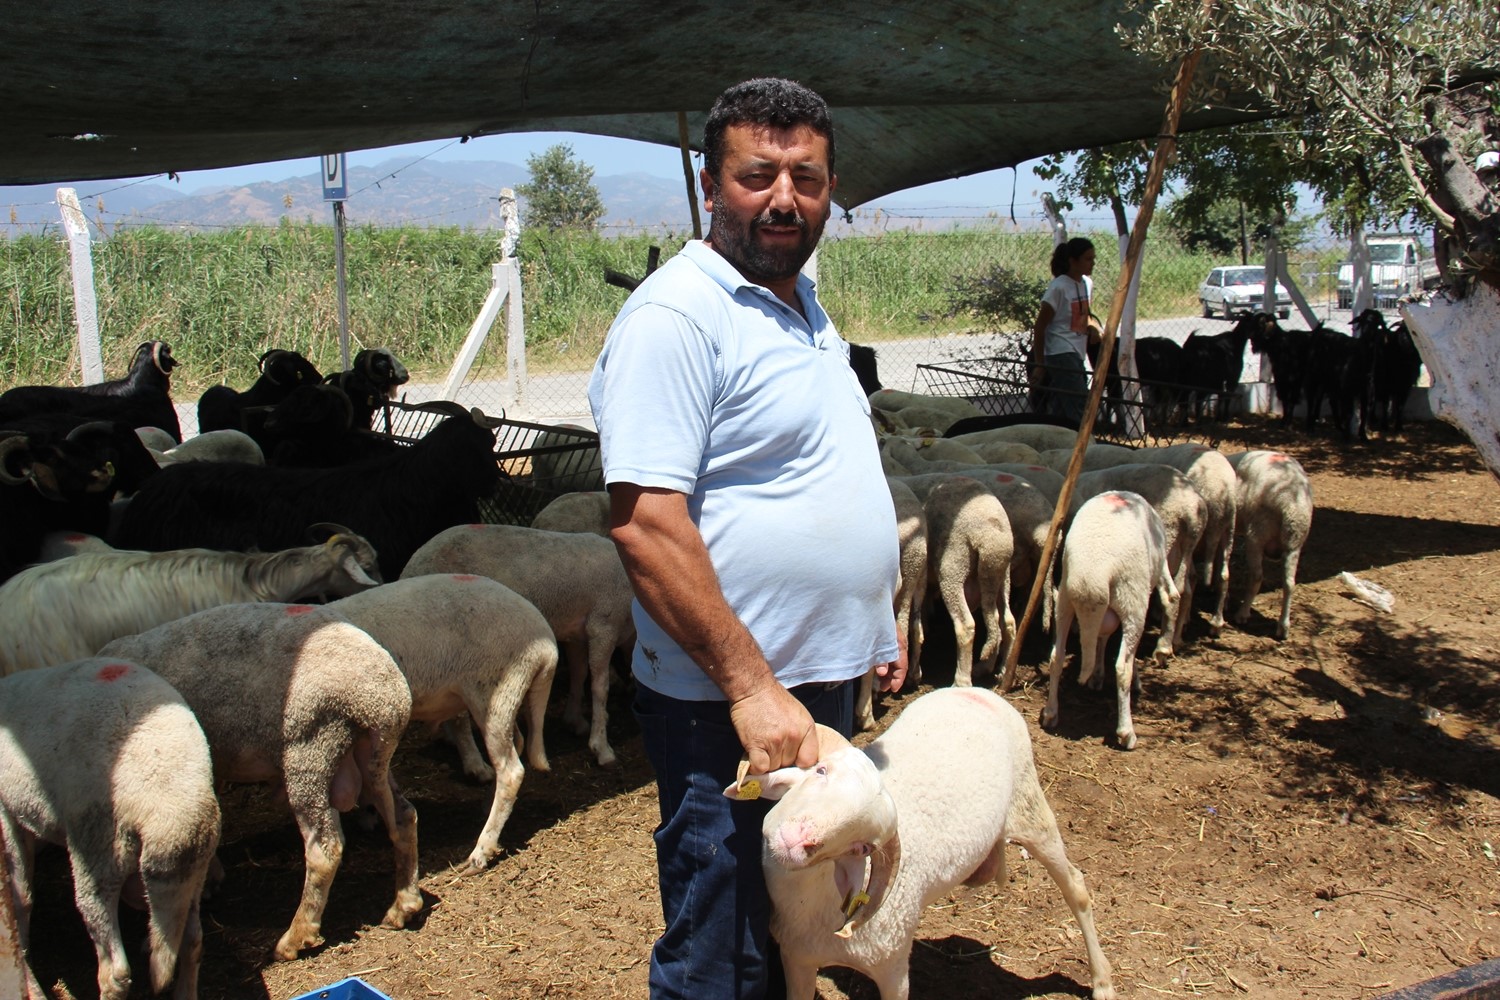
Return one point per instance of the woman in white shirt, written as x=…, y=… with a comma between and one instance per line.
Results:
x=1064, y=330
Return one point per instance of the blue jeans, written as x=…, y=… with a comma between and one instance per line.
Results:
x=716, y=945
x=1067, y=386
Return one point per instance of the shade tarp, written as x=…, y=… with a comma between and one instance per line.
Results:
x=920, y=91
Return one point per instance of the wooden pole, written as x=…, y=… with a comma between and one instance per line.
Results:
x=687, y=172
x=1165, y=148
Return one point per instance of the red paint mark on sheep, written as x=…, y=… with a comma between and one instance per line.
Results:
x=1004, y=477
x=111, y=672
x=298, y=609
x=465, y=577
x=477, y=527
x=75, y=538
x=1279, y=457
x=1114, y=500
x=1037, y=468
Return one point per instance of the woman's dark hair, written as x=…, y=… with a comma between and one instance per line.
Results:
x=766, y=101
x=1069, y=251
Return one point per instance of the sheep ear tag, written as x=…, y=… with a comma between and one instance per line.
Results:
x=763, y=786
x=849, y=879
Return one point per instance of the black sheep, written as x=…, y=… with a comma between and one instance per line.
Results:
x=313, y=428
x=862, y=360
x=1287, y=352
x=1211, y=365
x=48, y=483
x=1338, y=371
x=221, y=407
x=398, y=502
x=143, y=398
x=371, y=379
x=1395, y=364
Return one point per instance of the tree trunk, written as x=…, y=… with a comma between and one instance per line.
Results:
x=1460, y=347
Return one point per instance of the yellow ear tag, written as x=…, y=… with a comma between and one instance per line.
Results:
x=856, y=900
x=749, y=790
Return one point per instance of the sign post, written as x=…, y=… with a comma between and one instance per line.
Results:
x=336, y=190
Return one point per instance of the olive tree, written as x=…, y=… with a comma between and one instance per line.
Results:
x=1405, y=96
x=561, y=192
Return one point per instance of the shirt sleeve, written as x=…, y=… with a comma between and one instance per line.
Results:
x=656, y=384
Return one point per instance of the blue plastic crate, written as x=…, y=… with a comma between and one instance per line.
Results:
x=345, y=989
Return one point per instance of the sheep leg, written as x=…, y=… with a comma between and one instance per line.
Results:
x=96, y=890
x=459, y=731
x=1253, y=556
x=801, y=976
x=1096, y=623
x=174, y=884
x=20, y=850
x=401, y=825
x=189, y=954
x=1170, y=626
x=963, y=632
x=323, y=850
x=501, y=743
x=1063, y=623
x=537, y=695
x=892, y=977
x=1130, y=637
x=1218, y=572
x=997, y=631
x=576, y=654
x=1032, y=825
x=1288, y=585
x=601, y=643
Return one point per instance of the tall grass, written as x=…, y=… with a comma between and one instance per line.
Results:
x=222, y=298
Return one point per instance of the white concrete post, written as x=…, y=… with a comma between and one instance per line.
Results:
x=505, y=289
x=1362, y=294
x=85, y=306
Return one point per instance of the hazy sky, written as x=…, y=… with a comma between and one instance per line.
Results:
x=608, y=155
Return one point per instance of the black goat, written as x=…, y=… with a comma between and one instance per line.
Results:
x=370, y=381
x=1287, y=352
x=1211, y=366
x=862, y=360
x=143, y=398
x=1395, y=364
x=1338, y=371
x=1158, y=363
x=313, y=428
x=398, y=502
x=221, y=407
x=48, y=483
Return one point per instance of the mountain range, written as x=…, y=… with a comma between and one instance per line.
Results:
x=462, y=193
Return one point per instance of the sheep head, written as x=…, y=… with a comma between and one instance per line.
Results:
x=836, y=812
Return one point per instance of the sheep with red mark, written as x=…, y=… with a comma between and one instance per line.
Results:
x=69, y=608
x=292, y=695
x=969, y=550
x=130, y=796
x=576, y=581
x=894, y=805
x=1114, y=558
x=468, y=645
x=1275, y=505
x=1183, y=513
x=1039, y=437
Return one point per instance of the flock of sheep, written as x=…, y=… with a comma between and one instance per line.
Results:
x=178, y=620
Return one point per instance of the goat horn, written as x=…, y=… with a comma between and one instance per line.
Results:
x=92, y=425
x=12, y=442
x=485, y=421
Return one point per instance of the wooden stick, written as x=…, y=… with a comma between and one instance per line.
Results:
x=1166, y=147
x=687, y=172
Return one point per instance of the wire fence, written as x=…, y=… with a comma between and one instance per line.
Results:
x=221, y=299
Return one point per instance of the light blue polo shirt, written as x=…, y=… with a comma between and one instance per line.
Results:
x=712, y=386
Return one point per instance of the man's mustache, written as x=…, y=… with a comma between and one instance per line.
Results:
x=774, y=217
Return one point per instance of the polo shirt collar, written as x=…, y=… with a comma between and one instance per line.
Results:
x=717, y=267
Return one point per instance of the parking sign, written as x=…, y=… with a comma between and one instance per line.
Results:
x=335, y=178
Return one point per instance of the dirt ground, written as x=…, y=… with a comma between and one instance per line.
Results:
x=1312, y=818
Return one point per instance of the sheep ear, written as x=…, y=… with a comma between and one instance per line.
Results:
x=765, y=786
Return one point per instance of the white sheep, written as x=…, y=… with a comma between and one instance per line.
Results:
x=1275, y=513
x=584, y=511
x=890, y=400
x=290, y=694
x=1002, y=452
x=224, y=445
x=61, y=544
x=1183, y=514
x=1030, y=515
x=468, y=644
x=105, y=758
x=1114, y=558
x=919, y=452
x=1047, y=480
x=969, y=550
x=1040, y=437
x=69, y=608
x=911, y=531
x=931, y=804
x=1098, y=455
x=1214, y=478
x=576, y=581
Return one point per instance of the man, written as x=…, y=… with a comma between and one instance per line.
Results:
x=748, y=505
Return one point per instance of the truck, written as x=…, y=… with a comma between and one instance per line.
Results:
x=1399, y=266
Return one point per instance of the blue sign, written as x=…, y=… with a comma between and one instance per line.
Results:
x=335, y=178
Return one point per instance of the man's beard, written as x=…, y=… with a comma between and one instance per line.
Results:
x=736, y=242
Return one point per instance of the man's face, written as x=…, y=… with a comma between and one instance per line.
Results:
x=771, y=201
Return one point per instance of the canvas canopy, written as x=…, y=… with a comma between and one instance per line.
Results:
x=920, y=91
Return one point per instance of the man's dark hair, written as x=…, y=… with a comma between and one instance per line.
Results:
x=765, y=101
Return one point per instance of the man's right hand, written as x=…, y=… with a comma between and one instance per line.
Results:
x=775, y=729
